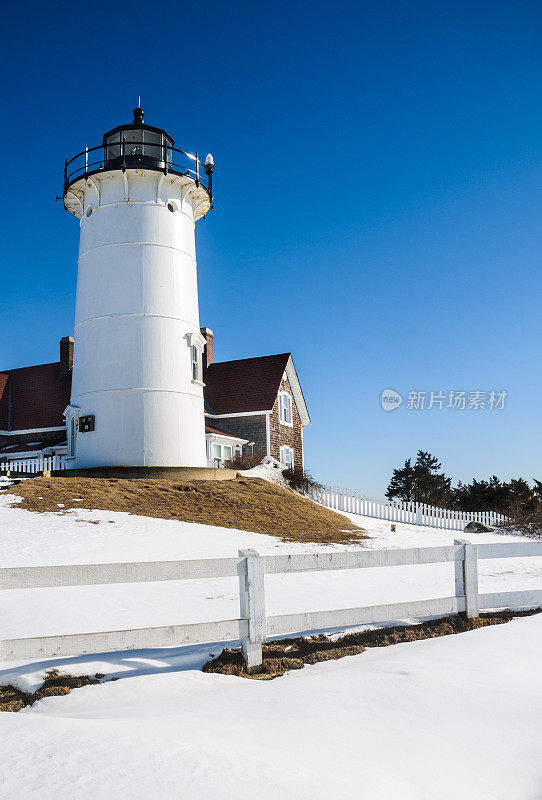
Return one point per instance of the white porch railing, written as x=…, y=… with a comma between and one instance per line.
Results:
x=32, y=466
x=216, y=463
x=395, y=511
x=253, y=626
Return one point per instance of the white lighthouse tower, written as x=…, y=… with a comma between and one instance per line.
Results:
x=137, y=391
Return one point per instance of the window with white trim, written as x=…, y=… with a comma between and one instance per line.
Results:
x=195, y=354
x=287, y=456
x=195, y=342
x=285, y=408
x=223, y=452
x=72, y=425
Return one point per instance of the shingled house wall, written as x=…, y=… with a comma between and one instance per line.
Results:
x=281, y=434
x=251, y=427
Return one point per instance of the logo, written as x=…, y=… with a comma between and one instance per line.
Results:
x=390, y=400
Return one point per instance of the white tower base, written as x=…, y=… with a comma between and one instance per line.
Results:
x=137, y=321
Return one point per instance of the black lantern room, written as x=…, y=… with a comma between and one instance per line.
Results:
x=138, y=145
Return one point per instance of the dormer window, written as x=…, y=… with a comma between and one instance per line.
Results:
x=285, y=409
x=196, y=343
x=196, y=362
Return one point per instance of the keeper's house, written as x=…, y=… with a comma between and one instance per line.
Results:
x=252, y=405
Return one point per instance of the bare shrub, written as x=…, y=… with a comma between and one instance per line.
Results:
x=523, y=521
x=300, y=480
x=245, y=460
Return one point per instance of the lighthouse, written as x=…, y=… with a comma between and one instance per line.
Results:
x=137, y=388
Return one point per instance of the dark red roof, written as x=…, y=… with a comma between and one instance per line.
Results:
x=34, y=397
x=245, y=385
x=12, y=449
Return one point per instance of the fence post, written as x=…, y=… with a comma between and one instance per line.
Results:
x=466, y=576
x=252, y=607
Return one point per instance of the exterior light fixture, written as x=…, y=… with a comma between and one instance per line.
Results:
x=209, y=167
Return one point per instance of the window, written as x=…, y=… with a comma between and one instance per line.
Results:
x=285, y=408
x=287, y=456
x=196, y=362
x=73, y=436
x=221, y=453
x=139, y=142
x=71, y=414
x=195, y=342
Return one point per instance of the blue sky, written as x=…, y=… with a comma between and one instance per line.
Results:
x=378, y=202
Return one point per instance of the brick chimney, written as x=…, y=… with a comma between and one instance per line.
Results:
x=66, y=354
x=208, y=349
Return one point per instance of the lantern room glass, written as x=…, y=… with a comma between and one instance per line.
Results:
x=139, y=143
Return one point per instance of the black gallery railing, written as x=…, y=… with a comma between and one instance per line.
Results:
x=140, y=154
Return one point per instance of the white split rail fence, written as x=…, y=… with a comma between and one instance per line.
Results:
x=253, y=626
x=340, y=499
x=32, y=466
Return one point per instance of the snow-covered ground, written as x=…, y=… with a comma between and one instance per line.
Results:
x=442, y=718
x=269, y=470
x=423, y=720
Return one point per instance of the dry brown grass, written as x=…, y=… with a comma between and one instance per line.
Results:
x=54, y=685
x=282, y=655
x=248, y=504
x=285, y=654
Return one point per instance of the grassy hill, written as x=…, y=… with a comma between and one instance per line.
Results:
x=247, y=504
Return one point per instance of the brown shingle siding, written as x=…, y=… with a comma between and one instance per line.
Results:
x=284, y=434
x=248, y=427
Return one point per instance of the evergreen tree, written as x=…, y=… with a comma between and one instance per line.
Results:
x=520, y=495
x=491, y=495
x=402, y=483
x=432, y=486
x=496, y=495
x=421, y=482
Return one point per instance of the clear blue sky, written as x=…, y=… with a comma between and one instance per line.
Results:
x=378, y=202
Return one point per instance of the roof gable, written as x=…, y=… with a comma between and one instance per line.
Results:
x=297, y=392
x=244, y=385
x=248, y=385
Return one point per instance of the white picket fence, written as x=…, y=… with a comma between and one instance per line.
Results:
x=253, y=626
x=31, y=466
x=414, y=513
